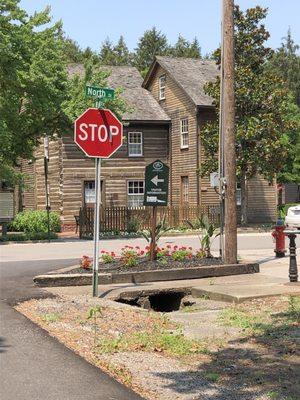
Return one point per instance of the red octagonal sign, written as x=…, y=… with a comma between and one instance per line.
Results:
x=98, y=133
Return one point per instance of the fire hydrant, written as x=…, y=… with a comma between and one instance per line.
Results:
x=279, y=238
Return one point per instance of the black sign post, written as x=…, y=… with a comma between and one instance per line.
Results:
x=156, y=194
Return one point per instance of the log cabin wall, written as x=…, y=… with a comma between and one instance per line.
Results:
x=54, y=177
x=183, y=161
x=70, y=169
x=26, y=197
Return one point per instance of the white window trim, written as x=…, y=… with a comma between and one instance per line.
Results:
x=238, y=195
x=135, y=155
x=135, y=194
x=162, y=88
x=184, y=146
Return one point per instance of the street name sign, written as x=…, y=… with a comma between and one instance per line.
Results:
x=156, y=184
x=98, y=133
x=99, y=92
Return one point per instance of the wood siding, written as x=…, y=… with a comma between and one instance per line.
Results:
x=262, y=197
x=69, y=168
x=183, y=161
x=262, y=200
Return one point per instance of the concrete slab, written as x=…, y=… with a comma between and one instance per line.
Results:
x=271, y=281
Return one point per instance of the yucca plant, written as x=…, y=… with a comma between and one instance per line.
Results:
x=160, y=228
x=207, y=232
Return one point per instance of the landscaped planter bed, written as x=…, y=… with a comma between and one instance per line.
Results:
x=81, y=279
x=145, y=265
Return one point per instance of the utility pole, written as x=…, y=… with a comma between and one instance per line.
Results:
x=228, y=122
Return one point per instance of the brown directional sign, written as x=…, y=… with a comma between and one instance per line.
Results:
x=156, y=184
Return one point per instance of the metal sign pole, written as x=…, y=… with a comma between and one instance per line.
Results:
x=96, y=224
x=46, y=160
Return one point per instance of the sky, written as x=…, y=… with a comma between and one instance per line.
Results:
x=90, y=22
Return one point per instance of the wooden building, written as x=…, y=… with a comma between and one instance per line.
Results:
x=167, y=112
x=178, y=86
x=72, y=174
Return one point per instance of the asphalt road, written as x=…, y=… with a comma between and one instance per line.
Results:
x=33, y=365
x=77, y=248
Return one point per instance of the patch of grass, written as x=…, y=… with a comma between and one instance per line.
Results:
x=273, y=395
x=240, y=319
x=174, y=344
x=212, y=376
x=50, y=318
x=293, y=311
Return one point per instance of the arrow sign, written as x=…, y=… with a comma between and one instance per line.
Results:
x=156, y=180
x=156, y=184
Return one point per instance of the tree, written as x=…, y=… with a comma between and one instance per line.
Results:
x=122, y=54
x=115, y=55
x=151, y=44
x=286, y=63
x=32, y=80
x=106, y=55
x=184, y=48
x=72, y=51
x=76, y=101
x=263, y=103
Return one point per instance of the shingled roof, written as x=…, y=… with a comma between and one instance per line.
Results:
x=142, y=104
x=189, y=73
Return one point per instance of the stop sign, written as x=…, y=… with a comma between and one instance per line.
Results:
x=98, y=133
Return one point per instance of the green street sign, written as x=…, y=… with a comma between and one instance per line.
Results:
x=99, y=92
x=156, y=184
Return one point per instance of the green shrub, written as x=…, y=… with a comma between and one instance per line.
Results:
x=22, y=237
x=14, y=237
x=35, y=222
x=133, y=225
x=282, y=210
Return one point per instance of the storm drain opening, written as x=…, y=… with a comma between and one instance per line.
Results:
x=164, y=301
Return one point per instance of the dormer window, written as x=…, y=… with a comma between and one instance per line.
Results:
x=162, y=87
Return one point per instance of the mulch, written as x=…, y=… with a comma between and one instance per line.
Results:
x=145, y=265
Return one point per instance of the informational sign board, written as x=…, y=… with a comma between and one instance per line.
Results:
x=6, y=206
x=156, y=184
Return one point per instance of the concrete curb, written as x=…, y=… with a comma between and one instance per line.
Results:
x=146, y=276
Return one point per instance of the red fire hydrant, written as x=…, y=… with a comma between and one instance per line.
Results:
x=279, y=238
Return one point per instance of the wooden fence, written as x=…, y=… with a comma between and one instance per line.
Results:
x=130, y=219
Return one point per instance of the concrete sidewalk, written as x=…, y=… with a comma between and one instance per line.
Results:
x=271, y=281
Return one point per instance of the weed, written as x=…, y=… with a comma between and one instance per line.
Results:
x=273, y=395
x=212, y=376
x=50, y=318
x=240, y=319
x=93, y=313
x=161, y=341
x=294, y=309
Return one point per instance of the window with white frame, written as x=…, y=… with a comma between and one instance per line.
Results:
x=89, y=192
x=135, y=193
x=238, y=194
x=162, y=87
x=184, y=133
x=184, y=189
x=135, y=144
